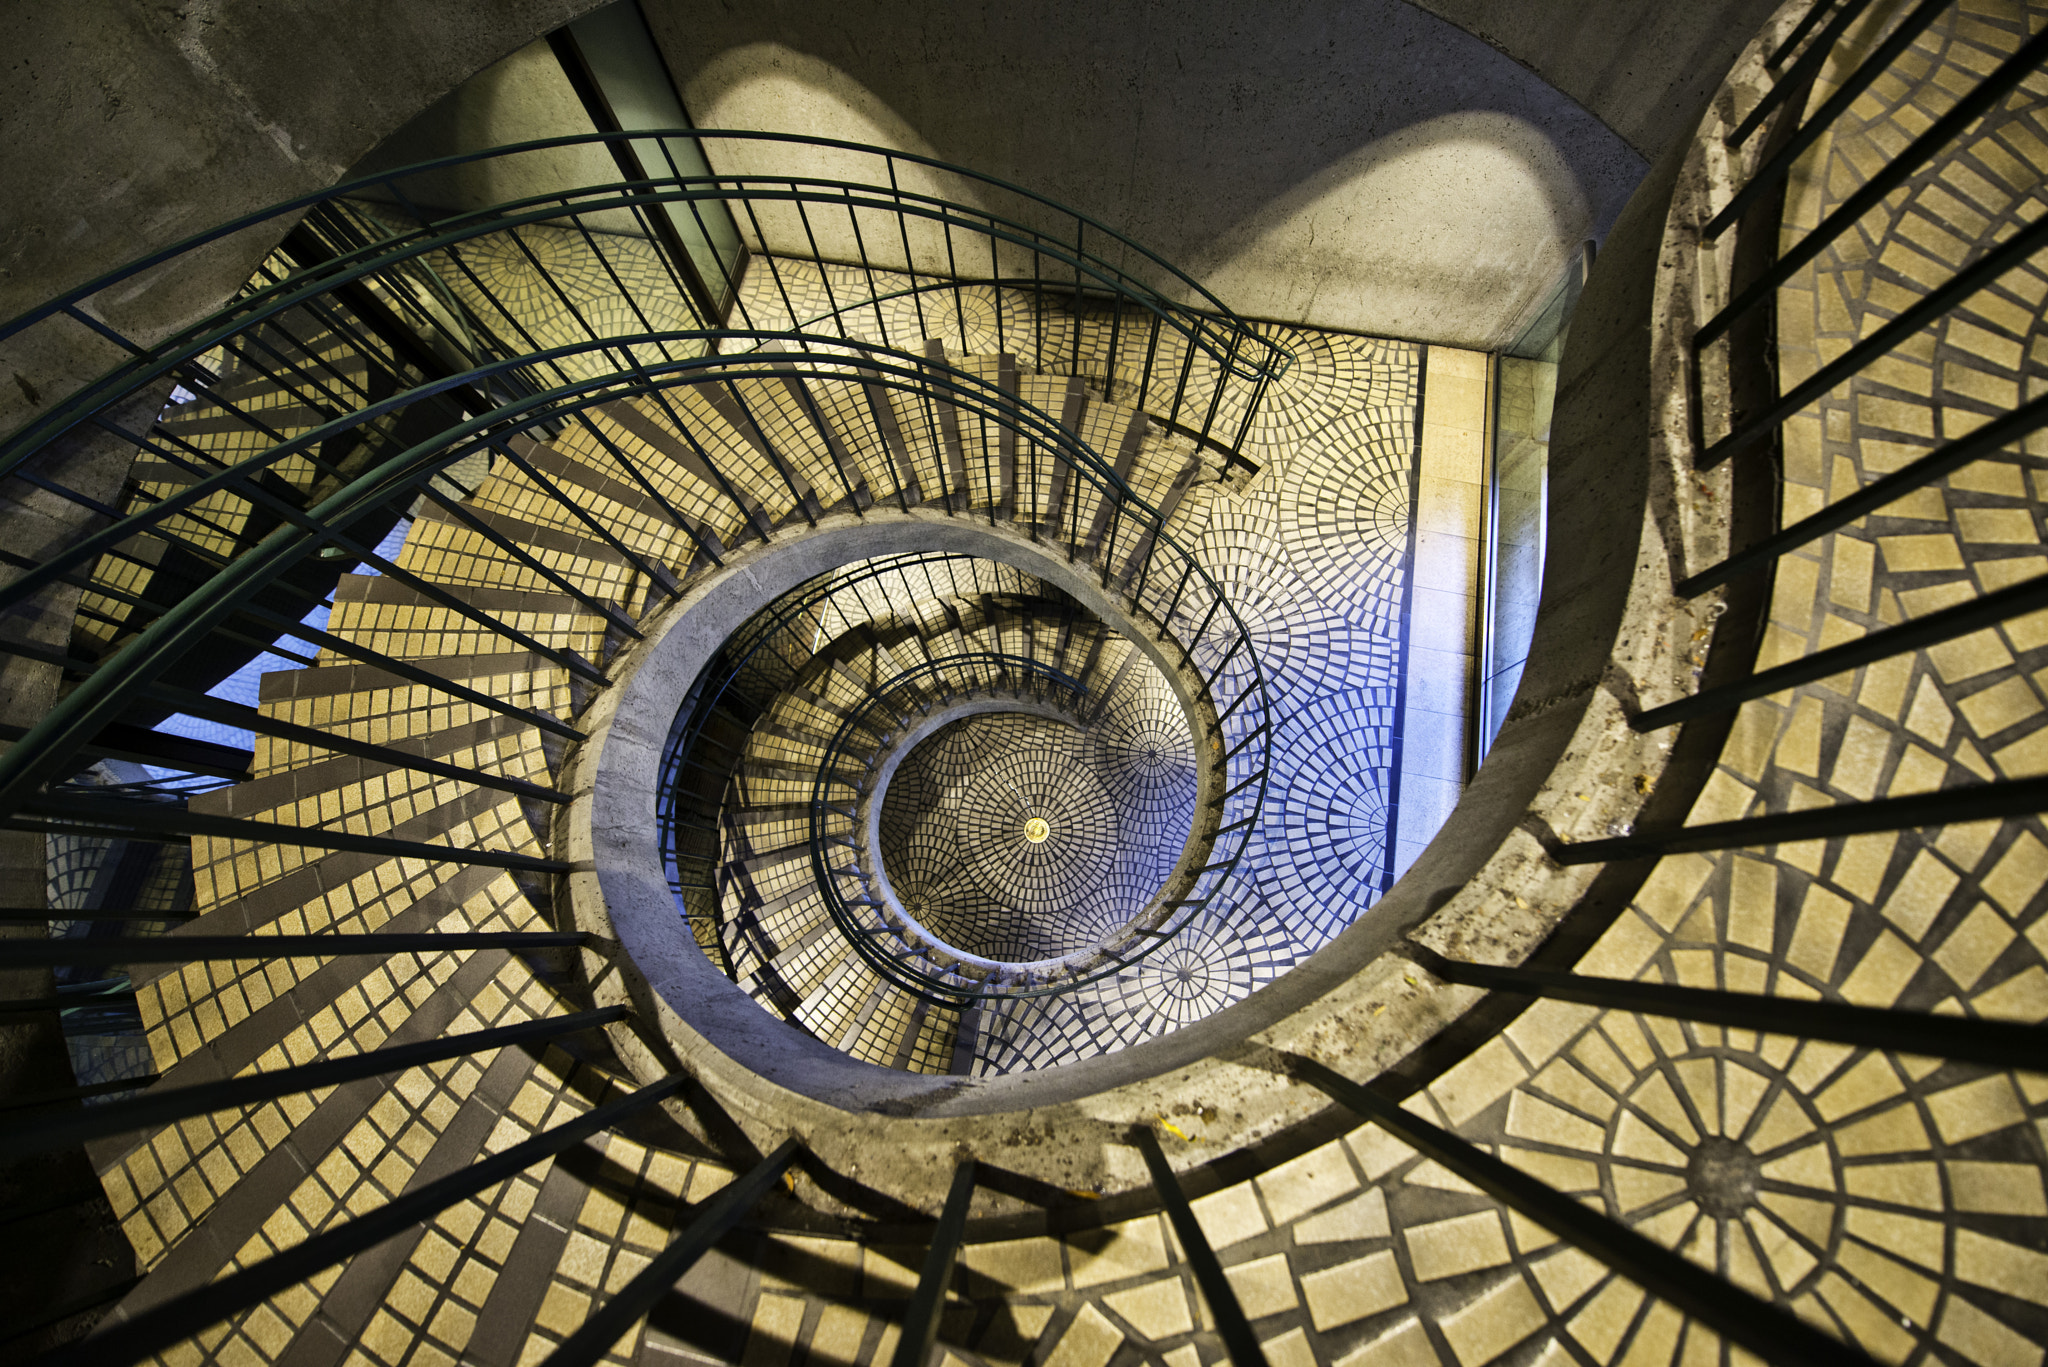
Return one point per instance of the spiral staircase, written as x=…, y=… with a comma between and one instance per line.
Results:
x=981, y=552
x=921, y=651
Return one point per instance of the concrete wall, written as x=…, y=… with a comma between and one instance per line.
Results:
x=522, y=97
x=132, y=124
x=1348, y=163
x=1645, y=70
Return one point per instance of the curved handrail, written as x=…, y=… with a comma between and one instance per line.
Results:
x=103, y=693
x=763, y=633
x=251, y=308
x=900, y=370
x=348, y=188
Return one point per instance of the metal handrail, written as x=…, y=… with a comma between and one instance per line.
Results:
x=915, y=966
x=356, y=338
x=805, y=604
x=1232, y=349
x=1738, y=288
x=1752, y=438
x=98, y=700
x=350, y=189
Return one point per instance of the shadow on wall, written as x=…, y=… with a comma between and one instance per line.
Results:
x=1453, y=226
x=1359, y=165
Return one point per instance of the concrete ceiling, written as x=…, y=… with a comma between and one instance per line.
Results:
x=1359, y=164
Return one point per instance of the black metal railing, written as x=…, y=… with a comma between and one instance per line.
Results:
x=1739, y=405
x=1057, y=489
x=769, y=653
x=418, y=292
x=757, y=664
x=1747, y=426
x=388, y=359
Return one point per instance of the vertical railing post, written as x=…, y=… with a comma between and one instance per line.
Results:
x=1231, y=1325
x=715, y=1219
x=920, y=1322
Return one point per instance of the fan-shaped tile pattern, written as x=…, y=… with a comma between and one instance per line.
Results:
x=1116, y=796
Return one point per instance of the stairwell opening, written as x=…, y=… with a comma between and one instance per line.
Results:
x=843, y=793
x=1013, y=783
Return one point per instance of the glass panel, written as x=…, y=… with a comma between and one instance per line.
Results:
x=1525, y=391
x=628, y=70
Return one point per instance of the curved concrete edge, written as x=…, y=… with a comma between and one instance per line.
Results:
x=753, y=1063
x=1611, y=638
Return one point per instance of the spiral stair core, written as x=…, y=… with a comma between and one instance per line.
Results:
x=1092, y=745
x=1890, y=1200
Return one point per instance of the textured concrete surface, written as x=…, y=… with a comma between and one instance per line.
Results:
x=1356, y=165
x=1645, y=70
x=523, y=97
x=153, y=122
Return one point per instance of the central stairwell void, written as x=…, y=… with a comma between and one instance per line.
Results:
x=924, y=794
x=828, y=691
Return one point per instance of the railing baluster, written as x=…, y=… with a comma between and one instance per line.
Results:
x=1782, y=160
x=147, y=821
x=1999, y=432
x=1775, y=1334
x=169, y=1105
x=254, y=720
x=1971, y=1039
x=112, y=951
x=2013, y=252
x=1795, y=78
x=1239, y=1342
x=921, y=1318
x=1975, y=614
x=1943, y=807
x=1894, y=173
x=714, y=1220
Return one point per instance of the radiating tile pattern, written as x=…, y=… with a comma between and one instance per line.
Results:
x=1323, y=850
x=1117, y=811
x=501, y=1277
x=1344, y=523
x=1308, y=647
x=1816, y=1174
x=950, y=847
x=971, y=830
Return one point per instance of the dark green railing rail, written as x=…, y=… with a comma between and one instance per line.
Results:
x=422, y=268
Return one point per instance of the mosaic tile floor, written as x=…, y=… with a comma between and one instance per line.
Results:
x=957, y=850
x=1894, y=1200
